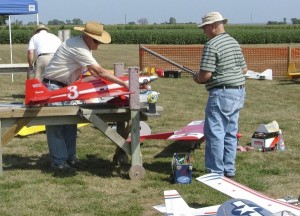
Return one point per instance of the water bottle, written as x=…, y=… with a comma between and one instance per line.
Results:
x=280, y=144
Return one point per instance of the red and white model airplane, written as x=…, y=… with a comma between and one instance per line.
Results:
x=191, y=132
x=246, y=201
x=83, y=89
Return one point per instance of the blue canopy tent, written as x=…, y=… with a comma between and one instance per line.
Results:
x=17, y=7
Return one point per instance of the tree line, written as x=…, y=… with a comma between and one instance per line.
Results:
x=141, y=21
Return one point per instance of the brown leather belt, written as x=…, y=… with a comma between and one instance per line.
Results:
x=230, y=87
x=42, y=54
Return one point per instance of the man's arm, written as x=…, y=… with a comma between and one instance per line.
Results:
x=245, y=70
x=202, y=77
x=97, y=70
x=30, y=58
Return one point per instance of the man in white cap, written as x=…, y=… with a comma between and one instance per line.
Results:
x=42, y=46
x=66, y=66
x=222, y=71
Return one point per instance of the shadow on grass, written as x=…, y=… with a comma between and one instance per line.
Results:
x=20, y=96
x=290, y=82
x=178, y=147
x=91, y=164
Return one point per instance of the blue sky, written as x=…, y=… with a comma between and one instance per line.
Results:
x=159, y=11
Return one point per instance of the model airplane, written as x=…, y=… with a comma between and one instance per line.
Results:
x=239, y=191
x=175, y=205
x=266, y=75
x=193, y=132
x=255, y=205
x=26, y=131
x=83, y=89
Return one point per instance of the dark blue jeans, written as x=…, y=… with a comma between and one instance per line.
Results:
x=61, y=138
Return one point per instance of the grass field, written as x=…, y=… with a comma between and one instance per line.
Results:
x=28, y=186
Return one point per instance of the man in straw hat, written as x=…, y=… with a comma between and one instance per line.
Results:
x=222, y=71
x=42, y=46
x=66, y=66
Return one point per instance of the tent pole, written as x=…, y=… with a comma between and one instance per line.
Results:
x=37, y=19
x=10, y=44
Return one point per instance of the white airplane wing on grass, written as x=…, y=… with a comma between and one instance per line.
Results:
x=239, y=191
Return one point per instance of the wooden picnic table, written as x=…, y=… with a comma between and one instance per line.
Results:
x=15, y=117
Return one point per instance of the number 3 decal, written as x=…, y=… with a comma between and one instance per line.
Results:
x=73, y=94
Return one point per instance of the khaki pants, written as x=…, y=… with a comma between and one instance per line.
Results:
x=40, y=65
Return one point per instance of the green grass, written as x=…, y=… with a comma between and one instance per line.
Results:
x=28, y=186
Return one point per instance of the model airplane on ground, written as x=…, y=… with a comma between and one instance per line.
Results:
x=266, y=75
x=246, y=201
x=83, y=89
x=239, y=191
x=29, y=130
x=193, y=132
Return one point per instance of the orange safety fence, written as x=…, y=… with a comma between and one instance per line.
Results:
x=258, y=57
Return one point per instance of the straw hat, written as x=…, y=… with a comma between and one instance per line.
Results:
x=212, y=17
x=96, y=31
x=41, y=27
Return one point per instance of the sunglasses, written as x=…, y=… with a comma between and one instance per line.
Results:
x=96, y=42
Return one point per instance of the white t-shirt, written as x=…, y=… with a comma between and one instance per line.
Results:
x=44, y=42
x=68, y=62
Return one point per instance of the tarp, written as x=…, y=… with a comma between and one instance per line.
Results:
x=17, y=7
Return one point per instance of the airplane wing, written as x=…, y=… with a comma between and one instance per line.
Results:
x=192, y=132
x=266, y=75
x=242, y=207
x=176, y=206
x=239, y=191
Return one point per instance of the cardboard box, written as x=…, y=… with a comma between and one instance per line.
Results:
x=266, y=137
x=265, y=141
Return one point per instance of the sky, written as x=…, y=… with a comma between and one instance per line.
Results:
x=160, y=11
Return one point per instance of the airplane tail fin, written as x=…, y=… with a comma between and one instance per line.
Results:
x=35, y=91
x=267, y=74
x=175, y=204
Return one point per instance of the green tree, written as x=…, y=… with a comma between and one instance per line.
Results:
x=77, y=21
x=295, y=21
x=3, y=19
x=56, y=22
x=172, y=20
x=143, y=21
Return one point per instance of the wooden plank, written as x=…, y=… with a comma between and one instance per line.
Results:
x=17, y=112
x=14, y=68
x=136, y=156
x=109, y=132
x=14, y=129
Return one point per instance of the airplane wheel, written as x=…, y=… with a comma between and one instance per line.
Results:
x=137, y=172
